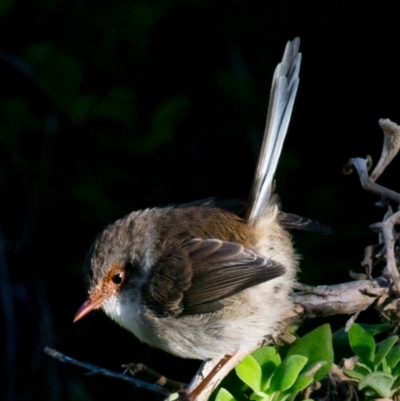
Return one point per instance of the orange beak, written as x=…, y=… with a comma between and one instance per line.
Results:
x=92, y=303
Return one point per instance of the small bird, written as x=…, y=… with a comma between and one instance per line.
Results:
x=208, y=278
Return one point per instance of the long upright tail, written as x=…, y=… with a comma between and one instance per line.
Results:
x=283, y=92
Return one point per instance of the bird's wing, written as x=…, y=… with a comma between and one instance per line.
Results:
x=196, y=277
x=294, y=222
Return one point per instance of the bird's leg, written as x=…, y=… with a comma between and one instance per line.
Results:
x=207, y=383
x=210, y=374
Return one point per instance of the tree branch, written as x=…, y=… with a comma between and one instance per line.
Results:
x=105, y=372
x=346, y=298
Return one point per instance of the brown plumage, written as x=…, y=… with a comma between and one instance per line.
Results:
x=208, y=278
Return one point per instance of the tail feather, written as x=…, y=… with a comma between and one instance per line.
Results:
x=283, y=92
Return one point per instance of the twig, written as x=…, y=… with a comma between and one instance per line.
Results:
x=361, y=166
x=368, y=261
x=391, y=146
x=142, y=370
x=105, y=372
x=387, y=229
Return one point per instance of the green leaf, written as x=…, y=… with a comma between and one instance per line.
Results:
x=375, y=329
x=393, y=356
x=379, y=382
x=362, y=368
x=312, y=368
x=383, y=349
x=396, y=384
x=301, y=383
x=268, y=359
x=354, y=374
x=259, y=396
x=341, y=336
x=287, y=372
x=362, y=343
x=384, y=367
x=396, y=370
x=316, y=346
x=224, y=395
x=249, y=371
x=265, y=355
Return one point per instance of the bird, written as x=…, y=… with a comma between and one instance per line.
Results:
x=209, y=278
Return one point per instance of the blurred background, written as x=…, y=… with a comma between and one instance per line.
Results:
x=111, y=106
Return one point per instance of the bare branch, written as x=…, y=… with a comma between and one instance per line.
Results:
x=391, y=146
x=105, y=372
x=387, y=229
x=153, y=376
x=362, y=167
x=347, y=298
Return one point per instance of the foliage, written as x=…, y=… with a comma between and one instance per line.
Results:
x=378, y=365
x=267, y=377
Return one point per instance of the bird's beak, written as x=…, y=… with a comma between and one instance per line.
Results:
x=92, y=303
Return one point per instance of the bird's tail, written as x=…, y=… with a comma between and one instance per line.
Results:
x=283, y=92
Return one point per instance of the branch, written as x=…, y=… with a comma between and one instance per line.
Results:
x=105, y=372
x=391, y=146
x=362, y=166
x=346, y=298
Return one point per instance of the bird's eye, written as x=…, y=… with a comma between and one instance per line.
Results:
x=118, y=278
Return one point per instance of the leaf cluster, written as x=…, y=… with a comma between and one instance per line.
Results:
x=264, y=376
x=267, y=376
x=377, y=366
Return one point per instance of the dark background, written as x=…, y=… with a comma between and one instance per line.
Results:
x=107, y=107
